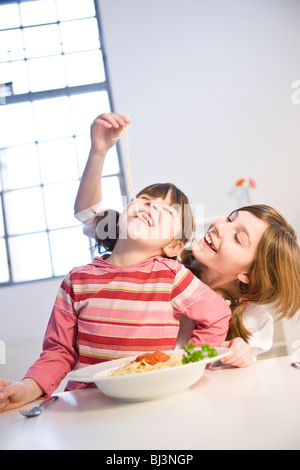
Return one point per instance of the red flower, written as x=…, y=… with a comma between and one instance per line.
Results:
x=252, y=183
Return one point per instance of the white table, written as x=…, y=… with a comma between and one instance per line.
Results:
x=254, y=408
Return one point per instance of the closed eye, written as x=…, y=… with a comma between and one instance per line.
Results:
x=167, y=209
x=237, y=238
x=235, y=235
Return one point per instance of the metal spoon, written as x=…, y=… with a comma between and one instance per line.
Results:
x=36, y=410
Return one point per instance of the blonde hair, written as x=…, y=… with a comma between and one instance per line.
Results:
x=274, y=275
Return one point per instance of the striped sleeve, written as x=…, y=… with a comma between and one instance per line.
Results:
x=197, y=301
x=59, y=354
x=187, y=290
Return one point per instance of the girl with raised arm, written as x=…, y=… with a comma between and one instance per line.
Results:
x=251, y=257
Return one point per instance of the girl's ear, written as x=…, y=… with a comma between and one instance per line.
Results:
x=243, y=277
x=174, y=248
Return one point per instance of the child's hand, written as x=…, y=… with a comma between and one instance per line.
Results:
x=16, y=394
x=106, y=129
x=240, y=353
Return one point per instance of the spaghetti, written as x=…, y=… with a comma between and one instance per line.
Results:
x=126, y=153
x=147, y=362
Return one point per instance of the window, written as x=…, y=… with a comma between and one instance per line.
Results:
x=51, y=56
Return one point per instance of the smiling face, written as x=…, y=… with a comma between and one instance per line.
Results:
x=153, y=222
x=153, y=217
x=229, y=248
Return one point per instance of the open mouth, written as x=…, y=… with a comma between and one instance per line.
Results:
x=209, y=242
x=145, y=216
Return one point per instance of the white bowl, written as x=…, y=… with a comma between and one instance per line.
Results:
x=146, y=385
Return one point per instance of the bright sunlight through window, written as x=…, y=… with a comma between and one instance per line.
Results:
x=53, y=83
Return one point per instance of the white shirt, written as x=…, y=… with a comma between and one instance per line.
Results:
x=257, y=318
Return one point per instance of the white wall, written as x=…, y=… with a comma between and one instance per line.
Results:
x=207, y=84
x=24, y=314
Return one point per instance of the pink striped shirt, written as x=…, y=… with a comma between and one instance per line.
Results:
x=104, y=312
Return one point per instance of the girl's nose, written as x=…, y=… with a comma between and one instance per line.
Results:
x=153, y=204
x=220, y=227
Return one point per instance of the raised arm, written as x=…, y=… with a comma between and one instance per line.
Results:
x=105, y=129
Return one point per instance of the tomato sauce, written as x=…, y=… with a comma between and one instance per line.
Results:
x=153, y=358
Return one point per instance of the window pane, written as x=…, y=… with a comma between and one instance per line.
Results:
x=69, y=248
x=12, y=133
x=11, y=45
x=4, y=274
x=38, y=12
x=111, y=164
x=41, y=41
x=84, y=68
x=9, y=16
x=46, y=73
x=52, y=118
x=83, y=144
x=59, y=202
x=15, y=163
x=16, y=73
x=58, y=161
x=93, y=105
x=30, y=257
x=24, y=211
x=80, y=35
x=112, y=193
x=71, y=9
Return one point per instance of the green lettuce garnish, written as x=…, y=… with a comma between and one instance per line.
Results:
x=194, y=356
